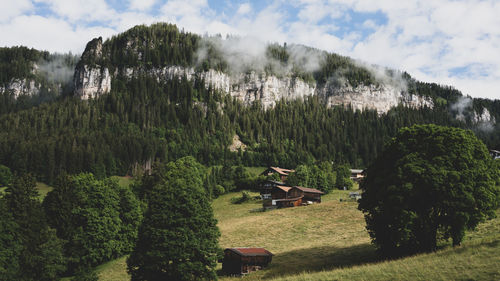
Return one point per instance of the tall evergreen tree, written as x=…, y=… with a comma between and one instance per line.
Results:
x=178, y=236
x=41, y=255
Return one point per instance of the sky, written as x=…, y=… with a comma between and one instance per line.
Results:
x=450, y=42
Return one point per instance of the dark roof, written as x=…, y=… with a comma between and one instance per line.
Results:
x=309, y=190
x=284, y=188
x=281, y=171
x=250, y=252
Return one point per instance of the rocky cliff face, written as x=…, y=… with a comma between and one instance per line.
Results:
x=483, y=117
x=93, y=81
x=19, y=87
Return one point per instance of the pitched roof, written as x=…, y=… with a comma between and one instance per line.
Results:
x=282, y=171
x=356, y=171
x=309, y=190
x=284, y=188
x=251, y=252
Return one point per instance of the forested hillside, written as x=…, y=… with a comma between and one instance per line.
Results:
x=143, y=120
x=29, y=77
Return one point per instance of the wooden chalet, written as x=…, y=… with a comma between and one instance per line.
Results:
x=287, y=196
x=356, y=175
x=283, y=173
x=310, y=194
x=267, y=187
x=240, y=261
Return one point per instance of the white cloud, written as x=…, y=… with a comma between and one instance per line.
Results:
x=50, y=34
x=426, y=38
x=244, y=9
x=75, y=10
x=11, y=9
x=141, y=5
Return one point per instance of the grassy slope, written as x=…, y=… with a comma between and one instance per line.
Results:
x=328, y=241
x=477, y=259
x=255, y=171
x=43, y=189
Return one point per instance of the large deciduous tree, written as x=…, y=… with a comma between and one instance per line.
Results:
x=98, y=218
x=178, y=239
x=430, y=180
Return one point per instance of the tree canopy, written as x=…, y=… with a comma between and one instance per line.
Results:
x=178, y=239
x=29, y=249
x=98, y=219
x=430, y=180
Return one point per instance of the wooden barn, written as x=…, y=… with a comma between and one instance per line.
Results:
x=240, y=261
x=309, y=194
x=287, y=196
x=283, y=173
x=267, y=187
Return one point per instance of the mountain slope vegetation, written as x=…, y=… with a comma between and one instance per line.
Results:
x=143, y=120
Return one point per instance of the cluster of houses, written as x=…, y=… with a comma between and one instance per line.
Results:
x=274, y=194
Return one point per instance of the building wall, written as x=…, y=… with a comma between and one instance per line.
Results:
x=278, y=194
x=312, y=197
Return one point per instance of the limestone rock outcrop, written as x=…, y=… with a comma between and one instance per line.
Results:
x=20, y=87
x=93, y=79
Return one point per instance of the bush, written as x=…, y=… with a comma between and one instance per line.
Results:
x=245, y=196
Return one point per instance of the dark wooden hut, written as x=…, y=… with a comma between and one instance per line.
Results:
x=267, y=187
x=308, y=194
x=239, y=261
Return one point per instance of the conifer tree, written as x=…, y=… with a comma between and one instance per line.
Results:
x=178, y=236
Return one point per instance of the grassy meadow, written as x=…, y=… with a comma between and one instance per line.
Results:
x=43, y=189
x=328, y=241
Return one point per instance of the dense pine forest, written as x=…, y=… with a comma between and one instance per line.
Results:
x=143, y=120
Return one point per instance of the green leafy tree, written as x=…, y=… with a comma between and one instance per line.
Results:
x=178, y=236
x=343, y=177
x=5, y=176
x=41, y=252
x=430, y=179
x=300, y=177
x=98, y=219
x=10, y=244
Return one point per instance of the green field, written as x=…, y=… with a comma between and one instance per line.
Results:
x=328, y=241
x=43, y=189
x=123, y=181
x=255, y=171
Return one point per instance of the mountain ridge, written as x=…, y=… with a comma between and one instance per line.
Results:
x=93, y=78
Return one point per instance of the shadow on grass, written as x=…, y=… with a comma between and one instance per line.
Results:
x=318, y=259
